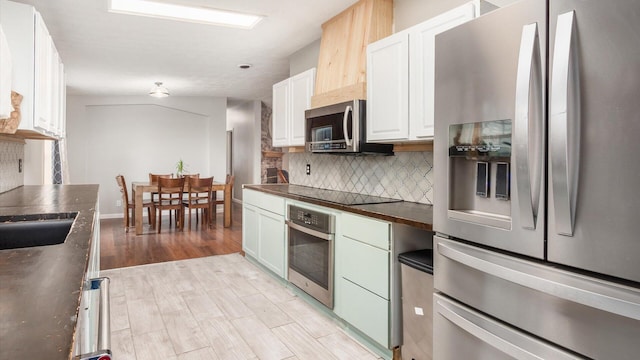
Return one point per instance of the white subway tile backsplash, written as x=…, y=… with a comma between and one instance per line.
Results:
x=406, y=175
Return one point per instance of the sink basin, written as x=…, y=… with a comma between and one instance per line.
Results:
x=19, y=231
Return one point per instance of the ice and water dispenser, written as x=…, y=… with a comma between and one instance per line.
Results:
x=480, y=172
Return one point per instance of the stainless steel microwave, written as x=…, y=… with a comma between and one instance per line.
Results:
x=340, y=128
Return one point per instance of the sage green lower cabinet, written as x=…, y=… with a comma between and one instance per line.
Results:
x=263, y=230
x=250, y=230
x=365, y=310
x=272, y=242
x=362, y=276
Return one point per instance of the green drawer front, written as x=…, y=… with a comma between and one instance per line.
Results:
x=366, y=311
x=274, y=204
x=373, y=232
x=365, y=265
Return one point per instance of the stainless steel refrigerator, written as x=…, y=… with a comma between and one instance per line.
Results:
x=537, y=183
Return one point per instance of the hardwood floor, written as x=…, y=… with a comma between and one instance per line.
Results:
x=122, y=249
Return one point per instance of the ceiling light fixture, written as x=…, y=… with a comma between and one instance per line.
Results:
x=184, y=13
x=159, y=91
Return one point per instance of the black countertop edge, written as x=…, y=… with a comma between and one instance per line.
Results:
x=404, y=212
x=40, y=287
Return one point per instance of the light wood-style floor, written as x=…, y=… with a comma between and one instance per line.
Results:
x=210, y=304
x=217, y=307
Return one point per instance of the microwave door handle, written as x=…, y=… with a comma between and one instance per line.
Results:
x=347, y=110
x=528, y=127
x=564, y=124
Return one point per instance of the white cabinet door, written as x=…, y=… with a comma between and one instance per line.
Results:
x=280, y=133
x=62, y=98
x=388, y=88
x=272, y=242
x=263, y=229
x=302, y=86
x=400, y=79
x=36, y=69
x=250, y=230
x=5, y=75
x=291, y=97
x=54, y=91
x=43, y=54
x=422, y=66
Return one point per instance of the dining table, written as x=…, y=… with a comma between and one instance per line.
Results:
x=140, y=187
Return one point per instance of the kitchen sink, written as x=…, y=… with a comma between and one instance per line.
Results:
x=19, y=231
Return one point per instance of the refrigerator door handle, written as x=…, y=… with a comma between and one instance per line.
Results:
x=528, y=127
x=564, y=124
x=563, y=286
x=496, y=335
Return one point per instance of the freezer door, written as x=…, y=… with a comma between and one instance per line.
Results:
x=489, y=73
x=595, y=318
x=594, y=128
x=462, y=333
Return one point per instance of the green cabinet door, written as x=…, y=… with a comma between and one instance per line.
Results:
x=250, y=230
x=272, y=242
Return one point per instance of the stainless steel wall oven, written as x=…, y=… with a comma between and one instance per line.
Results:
x=311, y=252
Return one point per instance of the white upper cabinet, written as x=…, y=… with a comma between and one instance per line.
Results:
x=400, y=79
x=36, y=71
x=291, y=97
x=5, y=77
x=280, y=120
x=388, y=88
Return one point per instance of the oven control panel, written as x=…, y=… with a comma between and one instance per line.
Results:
x=312, y=219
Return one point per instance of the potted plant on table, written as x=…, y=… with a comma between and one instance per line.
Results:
x=180, y=168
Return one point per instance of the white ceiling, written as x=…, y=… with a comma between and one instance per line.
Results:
x=116, y=54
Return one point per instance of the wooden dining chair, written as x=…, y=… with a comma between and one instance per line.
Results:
x=187, y=178
x=153, y=179
x=190, y=176
x=229, y=182
x=170, y=198
x=130, y=205
x=199, y=197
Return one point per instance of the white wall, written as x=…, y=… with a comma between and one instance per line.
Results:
x=304, y=59
x=411, y=12
x=133, y=136
x=244, y=118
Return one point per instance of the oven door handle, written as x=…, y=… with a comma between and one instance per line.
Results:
x=316, y=233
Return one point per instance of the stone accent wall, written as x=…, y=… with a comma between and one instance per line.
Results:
x=266, y=140
x=11, y=152
x=406, y=175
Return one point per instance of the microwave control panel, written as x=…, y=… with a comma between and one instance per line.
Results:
x=318, y=146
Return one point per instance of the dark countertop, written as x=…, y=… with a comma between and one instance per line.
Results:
x=403, y=212
x=40, y=287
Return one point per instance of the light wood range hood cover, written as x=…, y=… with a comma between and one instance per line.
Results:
x=342, y=62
